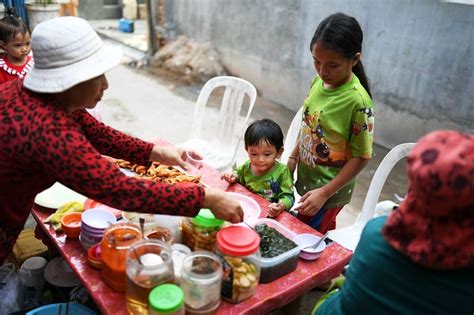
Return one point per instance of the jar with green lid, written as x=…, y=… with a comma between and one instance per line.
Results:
x=200, y=232
x=166, y=299
x=239, y=248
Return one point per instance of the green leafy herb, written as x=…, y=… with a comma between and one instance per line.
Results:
x=272, y=242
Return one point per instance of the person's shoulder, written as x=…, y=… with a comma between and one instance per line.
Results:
x=360, y=96
x=374, y=226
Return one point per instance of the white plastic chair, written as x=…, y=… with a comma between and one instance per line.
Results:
x=292, y=136
x=216, y=134
x=349, y=236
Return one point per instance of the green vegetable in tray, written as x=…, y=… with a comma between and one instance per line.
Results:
x=272, y=242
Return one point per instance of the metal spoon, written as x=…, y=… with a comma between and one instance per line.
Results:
x=315, y=245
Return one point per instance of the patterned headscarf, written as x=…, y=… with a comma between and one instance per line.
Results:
x=434, y=225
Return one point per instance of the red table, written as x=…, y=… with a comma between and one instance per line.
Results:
x=278, y=293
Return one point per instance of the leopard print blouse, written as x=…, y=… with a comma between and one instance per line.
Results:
x=40, y=143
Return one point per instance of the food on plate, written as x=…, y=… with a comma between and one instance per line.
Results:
x=158, y=172
x=272, y=242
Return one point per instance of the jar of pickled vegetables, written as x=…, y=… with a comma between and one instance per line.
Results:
x=200, y=232
x=117, y=240
x=239, y=248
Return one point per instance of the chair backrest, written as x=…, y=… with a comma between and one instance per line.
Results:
x=378, y=180
x=292, y=136
x=229, y=112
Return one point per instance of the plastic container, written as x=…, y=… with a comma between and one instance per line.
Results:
x=200, y=232
x=117, y=240
x=276, y=267
x=149, y=264
x=239, y=248
x=201, y=280
x=166, y=299
x=178, y=253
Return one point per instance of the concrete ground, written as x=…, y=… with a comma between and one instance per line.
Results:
x=147, y=105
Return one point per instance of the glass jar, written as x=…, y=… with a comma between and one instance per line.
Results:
x=117, y=240
x=166, y=299
x=201, y=280
x=200, y=232
x=239, y=248
x=149, y=264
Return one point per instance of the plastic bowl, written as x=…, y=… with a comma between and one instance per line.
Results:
x=98, y=218
x=307, y=239
x=91, y=239
x=71, y=224
x=193, y=159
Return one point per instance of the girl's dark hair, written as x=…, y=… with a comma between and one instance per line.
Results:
x=342, y=33
x=264, y=130
x=11, y=25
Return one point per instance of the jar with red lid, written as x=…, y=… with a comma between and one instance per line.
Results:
x=117, y=240
x=239, y=248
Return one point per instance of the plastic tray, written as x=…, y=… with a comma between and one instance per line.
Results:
x=274, y=268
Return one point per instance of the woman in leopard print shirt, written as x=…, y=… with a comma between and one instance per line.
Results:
x=46, y=135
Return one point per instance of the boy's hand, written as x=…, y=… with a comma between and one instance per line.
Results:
x=230, y=177
x=274, y=209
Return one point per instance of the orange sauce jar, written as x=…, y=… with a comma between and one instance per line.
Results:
x=117, y=240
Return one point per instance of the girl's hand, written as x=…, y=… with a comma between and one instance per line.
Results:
x=274, y=209
x=223, y=206
x=170, y=155
x=230, y=177
x=312, y=201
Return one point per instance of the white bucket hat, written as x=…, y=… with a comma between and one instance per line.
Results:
x=67, y=51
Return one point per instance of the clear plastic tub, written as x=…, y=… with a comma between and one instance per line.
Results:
x=278, y=266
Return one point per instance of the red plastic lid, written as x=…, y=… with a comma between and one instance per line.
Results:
x=237, y=240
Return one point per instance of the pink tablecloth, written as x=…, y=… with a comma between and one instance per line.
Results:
x=278, y=293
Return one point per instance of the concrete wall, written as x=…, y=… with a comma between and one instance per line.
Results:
x=418, y=54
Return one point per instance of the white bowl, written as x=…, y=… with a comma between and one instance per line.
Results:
x=306, y=239
x=98, y=218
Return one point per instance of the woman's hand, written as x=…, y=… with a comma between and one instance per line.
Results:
x=274, y=209
x=223, y=206
x=312, y=201
x=230, y=177
x=170, y=155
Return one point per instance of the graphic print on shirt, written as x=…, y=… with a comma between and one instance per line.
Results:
x=271, y=191
x=357, y=128
x=317, y=149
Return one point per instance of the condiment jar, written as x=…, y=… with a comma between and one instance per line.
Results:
x=166, y=299
x=200, y=231
x=149, y=264
x=201, y=280
x=117, y=240
x=239, y=249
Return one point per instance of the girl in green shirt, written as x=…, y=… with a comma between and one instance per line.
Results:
x=335, y=139
x=262, y=173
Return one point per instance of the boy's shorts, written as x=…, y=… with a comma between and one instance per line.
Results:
x=322, y=221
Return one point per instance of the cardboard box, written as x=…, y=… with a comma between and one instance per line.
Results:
x=27, y=246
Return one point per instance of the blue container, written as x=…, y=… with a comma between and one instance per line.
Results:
x=53, y=309
x=126, y=25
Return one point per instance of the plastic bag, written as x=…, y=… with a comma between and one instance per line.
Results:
x=9, y=289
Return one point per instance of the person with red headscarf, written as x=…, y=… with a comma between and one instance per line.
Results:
x=419, y=259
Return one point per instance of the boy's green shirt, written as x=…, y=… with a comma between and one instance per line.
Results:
x=275, y=186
